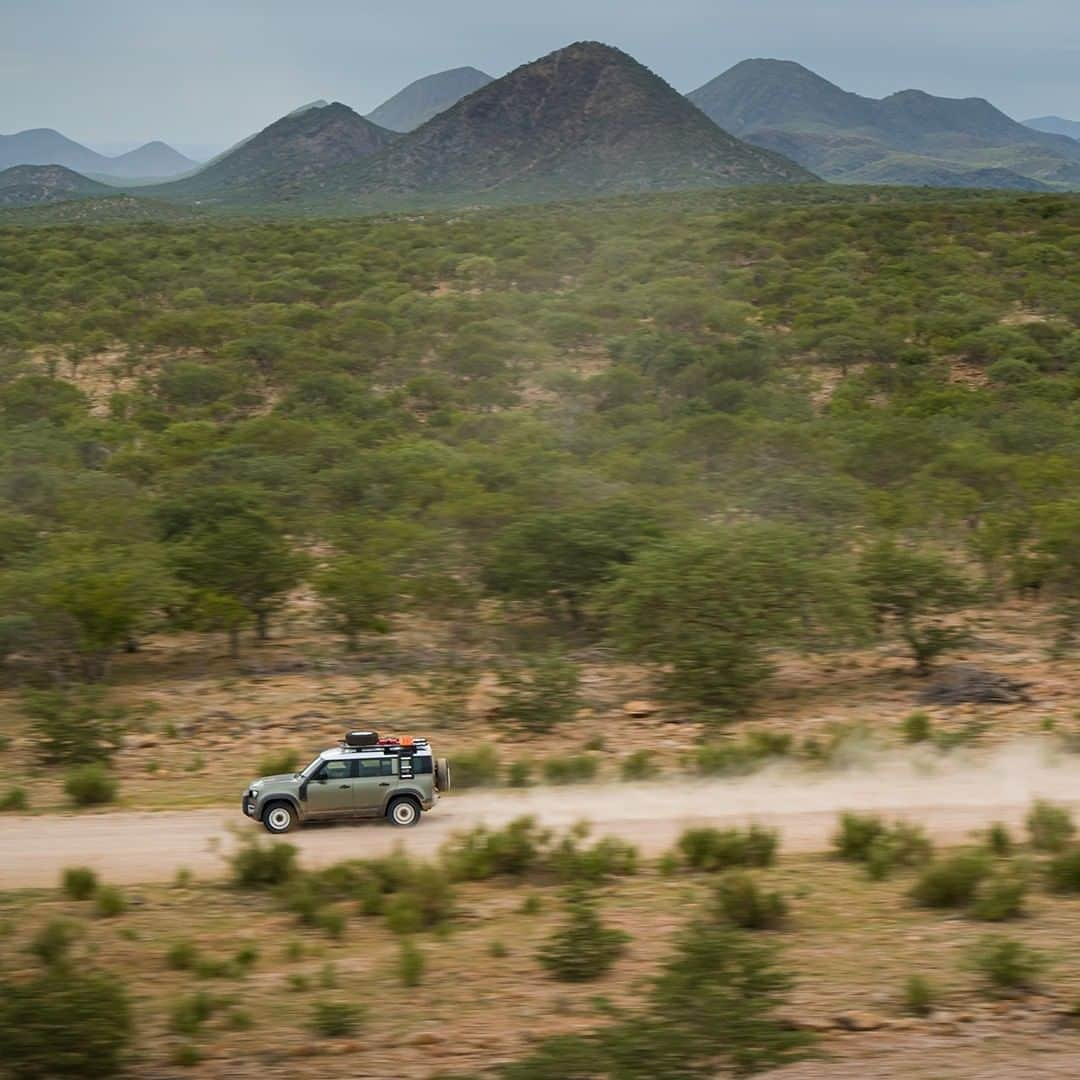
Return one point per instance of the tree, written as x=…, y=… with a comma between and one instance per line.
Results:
x=914, y=591
x=709, y=606
x=356, y=596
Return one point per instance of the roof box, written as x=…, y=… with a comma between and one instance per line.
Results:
x=362, y=738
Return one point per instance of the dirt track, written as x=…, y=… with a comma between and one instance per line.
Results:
x=950, y=801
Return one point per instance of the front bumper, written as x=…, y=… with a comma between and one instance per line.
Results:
x=248, y=805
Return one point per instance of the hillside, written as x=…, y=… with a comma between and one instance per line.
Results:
x=922, y=138
x=34, y=185
x=585, y=120
x=1055, y=125
x=421, y=100
x=290, y=157
x=43, y=146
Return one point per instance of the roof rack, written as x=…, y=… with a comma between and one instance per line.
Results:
x=359, y=741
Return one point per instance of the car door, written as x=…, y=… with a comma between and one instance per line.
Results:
x=376, y=776
x=330, y=790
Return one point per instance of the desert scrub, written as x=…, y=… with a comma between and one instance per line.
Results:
x=740, y=758
x=15, y=801
x=720, y=849
x=90, y=785
x=916, y=727
x=188, y=1013
x=411, y=964
x=52, y=943
x=478, y=767
x=951, y=882
x=262, y=866
x=1063, y=871
x=639, y=765
x=109, y=902
x=332, y=1019
x=182, y=955
x=571, y=769
x=583, y=948
x=538, y=693
x=1007, y=964
x=999, y=841
x=1050, y=827
x=484, y=853
x=284, y=761
x=78, y=882
x=1000, y=896
x=742, y=902
x=919, y=995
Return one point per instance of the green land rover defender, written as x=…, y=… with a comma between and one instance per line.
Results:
x=365, y=776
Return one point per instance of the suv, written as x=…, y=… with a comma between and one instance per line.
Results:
x=364, y=777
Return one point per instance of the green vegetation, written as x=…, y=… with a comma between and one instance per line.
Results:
x=919, y=995
x=743, y=903
x=1050, y=827
x=721, y=849
x=333, y=1019
x=1007, y=964
x=90, y=785
x=583, y=948
x=79, y=882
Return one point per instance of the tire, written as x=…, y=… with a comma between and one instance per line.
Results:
x=403, y=813
x=279, y=817
x=442, y=774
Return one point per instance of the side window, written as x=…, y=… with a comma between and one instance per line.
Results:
x=376, y=766
x=334, y=770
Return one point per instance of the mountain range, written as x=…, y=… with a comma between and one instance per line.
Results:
x=427, y=97
x=910, y=137
x=43, y=146
x=37, y=185
x=1055, y=125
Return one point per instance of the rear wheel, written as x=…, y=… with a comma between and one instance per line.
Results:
x=279, y=817
x=403, y=813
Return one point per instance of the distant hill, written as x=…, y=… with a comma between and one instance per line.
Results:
x=288, y=158
x=34, y=185
x=843, y=136
x=1055, y=125
x=427, y=97
x=43, y=146
x=585, y=120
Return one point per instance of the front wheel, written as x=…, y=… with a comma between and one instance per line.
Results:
x=403, y=813
x=280, y=817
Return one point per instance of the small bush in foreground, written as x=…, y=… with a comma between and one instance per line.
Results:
x=919, y=995
x=189, y=1013
x=951, y=882
x=1049, y=826
x=182, y=955
x=90, y=785
x=261, y=866
x=484, y=853
x=1063, y=871
x=570, y=769
x=476, y=768
x=639, y=765
x=1000, y=897
x=333, y=1019
x=79, y=882
x=1007, y=964
x=916, y=727
x=743, y=903
x=999, y=841
x=109, y=902
x=15, y=801
x=856, y=835
x=720, y=849
x=52, y=943
x=411, y=964
x=285, y=761
x=583, y=948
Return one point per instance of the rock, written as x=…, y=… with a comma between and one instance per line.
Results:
x=427, y=1038
x=860, y=1021
x=641, y=709
x=964, y=684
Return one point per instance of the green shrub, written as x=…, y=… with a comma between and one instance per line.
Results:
x=640, y=765
x=740, y=758
x=572, y=860
x=186, y=1056
x=79, y=882
x=901, y=845
x=999, y=841
x=583, y=948
x=52, y=943
x=720, y=849
x=476, y=768
x=519, y=774
x=951, y=881
x=182, y=955
x=999, y=897
x=856, y=836
x=109, y=902
x=743, y=903
x=258, y=866
x=279, y=763
x=919, y=995
x=72, y=729
x=1063, y=871
x=241, y=1020
x=15, y=801
x=570, y=769
x=410, y=964
x=484, y=853
x=90, y=785
x=917, y=727
x=539, y=693
x=333, y=1019
x=189, y=1013
x=1049, y=827
x=331, y=921
x=246, y=957
x=1007, y=964
x=64, y=1023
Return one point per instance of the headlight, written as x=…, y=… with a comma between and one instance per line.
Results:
x=253, y=792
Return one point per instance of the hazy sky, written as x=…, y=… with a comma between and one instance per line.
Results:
x=204, y=73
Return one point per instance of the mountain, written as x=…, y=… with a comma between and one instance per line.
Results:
x=427, y=97
x=783, y=106
x=585, y=120
x=289, y=157
x=43, y=146
x=1055, y=125
x=34, y=185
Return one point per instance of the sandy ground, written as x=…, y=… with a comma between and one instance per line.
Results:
x=950, y=800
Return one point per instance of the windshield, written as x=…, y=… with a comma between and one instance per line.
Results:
x=307, y=770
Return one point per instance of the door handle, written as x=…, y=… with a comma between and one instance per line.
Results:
x=344, y=787
x=385, y=783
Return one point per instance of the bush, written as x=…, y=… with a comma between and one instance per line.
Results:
x=539, y=693
x=15, y=801
x=182, y=955
x=999, y=897
x=410, y=964
x=426, y=901
x=285, y=761
x=999, y=841
x=919, y=996
x=52, y=943
x=90, y=785
x=570, y=769
x=952, y=881
x=640, y=765
x=189, y=1013
x=720, y=849
x=64, y=1023
x=71, y=729
x=574, y=862
x=1050, y=827
x=519, y=774
x=741, y=758
x=109, y=902
x=856, y=836
x=332, y=1019
x=79, y=882
x=259, y=866
x=484, y=853
x=1007, y=964
x=743, y=903
x=917, y=727
x=901, y=845
x=1063, y=871
x=583, y=948
x=476, y=768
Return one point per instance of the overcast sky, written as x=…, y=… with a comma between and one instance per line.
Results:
x=204, y=73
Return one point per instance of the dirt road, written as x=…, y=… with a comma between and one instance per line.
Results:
x=950, y=800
